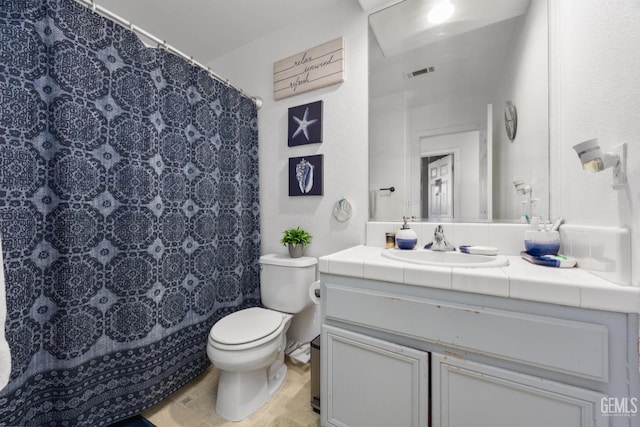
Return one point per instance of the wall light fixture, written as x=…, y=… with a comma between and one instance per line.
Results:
x=593, y=159
x=522, y=188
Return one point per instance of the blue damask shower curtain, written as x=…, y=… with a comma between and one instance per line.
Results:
x=128, y=210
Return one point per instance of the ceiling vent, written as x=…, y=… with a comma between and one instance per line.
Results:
x=420, y=72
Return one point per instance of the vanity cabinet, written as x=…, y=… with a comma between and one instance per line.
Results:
x=474, y=394
x=492, y=361
x=372, y=382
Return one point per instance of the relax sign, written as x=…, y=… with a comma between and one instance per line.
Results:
x=311, y=69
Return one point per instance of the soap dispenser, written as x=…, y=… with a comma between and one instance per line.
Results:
x=406, y=238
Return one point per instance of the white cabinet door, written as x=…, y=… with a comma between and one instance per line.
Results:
x=472, y=394
x=370, y=382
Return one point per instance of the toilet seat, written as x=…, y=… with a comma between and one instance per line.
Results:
x=246, y=327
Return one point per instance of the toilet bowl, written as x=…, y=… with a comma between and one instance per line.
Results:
x=251, y=363
x=248, y=345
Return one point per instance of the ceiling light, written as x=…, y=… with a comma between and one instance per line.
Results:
x=441, y=12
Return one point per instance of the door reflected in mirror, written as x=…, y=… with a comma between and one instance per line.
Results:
x=440, y=90
x=437, y=200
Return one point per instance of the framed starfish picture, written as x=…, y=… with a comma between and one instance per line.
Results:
x=305, y=124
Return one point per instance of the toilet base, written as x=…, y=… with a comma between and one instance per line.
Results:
x=277, y=374
x=240, y=394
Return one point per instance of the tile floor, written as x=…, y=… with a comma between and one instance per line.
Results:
x=194, y=405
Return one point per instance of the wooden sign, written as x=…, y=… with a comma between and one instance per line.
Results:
x=312, y=69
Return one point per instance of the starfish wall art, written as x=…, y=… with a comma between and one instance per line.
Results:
x=305, y=124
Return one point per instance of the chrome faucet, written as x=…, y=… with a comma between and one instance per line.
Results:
x=440, y=242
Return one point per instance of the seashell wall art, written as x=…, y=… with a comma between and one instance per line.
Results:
x=305, y=175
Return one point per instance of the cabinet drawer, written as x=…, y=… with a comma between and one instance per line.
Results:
x=576, y=348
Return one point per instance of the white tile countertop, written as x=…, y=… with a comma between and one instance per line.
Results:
x=519, y=280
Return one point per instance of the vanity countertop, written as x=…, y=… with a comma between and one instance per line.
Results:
x=519, y=280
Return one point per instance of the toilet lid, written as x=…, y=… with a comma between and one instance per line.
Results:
x=246, y=325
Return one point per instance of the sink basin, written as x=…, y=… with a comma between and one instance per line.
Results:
x=445, y=259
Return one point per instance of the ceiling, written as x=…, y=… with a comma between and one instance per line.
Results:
x=405, y=26
x=467, y=54
x=207, y=29
x=464, y=66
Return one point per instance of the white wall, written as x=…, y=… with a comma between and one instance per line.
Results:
x=344, y=145
x=595, y=92
x=525, y=72
x=387, y=156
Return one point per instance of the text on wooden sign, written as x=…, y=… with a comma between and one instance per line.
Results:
x=312, y=69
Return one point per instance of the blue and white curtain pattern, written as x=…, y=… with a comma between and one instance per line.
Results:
x=128, y=210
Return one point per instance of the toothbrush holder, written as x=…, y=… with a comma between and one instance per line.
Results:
x=538, y=243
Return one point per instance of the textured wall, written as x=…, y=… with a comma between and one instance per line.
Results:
x=344, y=146
x=594, y=94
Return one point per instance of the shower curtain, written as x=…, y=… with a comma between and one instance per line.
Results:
x=128, y=211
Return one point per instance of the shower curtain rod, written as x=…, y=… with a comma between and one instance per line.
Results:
x=91, y=4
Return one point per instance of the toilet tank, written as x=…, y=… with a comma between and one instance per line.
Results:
x=285, y=282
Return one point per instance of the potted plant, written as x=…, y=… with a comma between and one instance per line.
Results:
x=296, y=239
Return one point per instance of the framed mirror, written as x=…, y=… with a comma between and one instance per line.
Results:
x=442, y=91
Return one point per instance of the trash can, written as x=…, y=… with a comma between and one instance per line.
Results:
x=315, y=374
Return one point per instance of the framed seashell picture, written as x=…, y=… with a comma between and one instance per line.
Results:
x=305, y=175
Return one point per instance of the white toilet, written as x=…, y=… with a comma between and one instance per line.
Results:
x=248, y=345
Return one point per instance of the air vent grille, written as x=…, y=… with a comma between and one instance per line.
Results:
x=420, y=72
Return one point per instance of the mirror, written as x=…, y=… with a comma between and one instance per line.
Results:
x=459, y=111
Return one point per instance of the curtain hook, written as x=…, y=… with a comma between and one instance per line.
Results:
x=93, y=5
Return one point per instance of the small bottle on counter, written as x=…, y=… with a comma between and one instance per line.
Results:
x=390, y=241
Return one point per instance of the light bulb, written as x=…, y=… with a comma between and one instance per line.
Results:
x=593, y=159
x=441, y=12
x=595, y=165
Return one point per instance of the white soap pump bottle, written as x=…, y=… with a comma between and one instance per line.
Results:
x=406, y=238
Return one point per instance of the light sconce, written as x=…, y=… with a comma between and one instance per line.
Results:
x=593, y=159
x=522, y=188
x=441, y=12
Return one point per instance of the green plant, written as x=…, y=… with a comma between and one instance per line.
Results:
x=295, y=236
